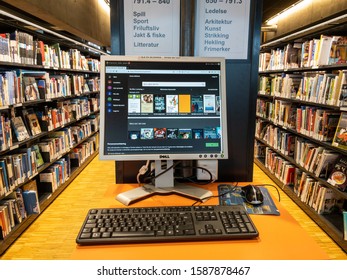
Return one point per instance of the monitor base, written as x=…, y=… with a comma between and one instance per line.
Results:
x=139, y=193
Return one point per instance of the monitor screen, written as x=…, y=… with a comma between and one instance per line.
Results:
x=158, y=108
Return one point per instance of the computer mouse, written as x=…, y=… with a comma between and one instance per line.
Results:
x=252, y=194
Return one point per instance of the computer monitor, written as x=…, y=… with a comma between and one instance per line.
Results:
x=162, y=109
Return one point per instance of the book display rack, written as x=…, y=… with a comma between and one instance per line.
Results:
x=49, y=120
x=301, y=122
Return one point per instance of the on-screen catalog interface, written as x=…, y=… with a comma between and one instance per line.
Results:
x=162, y=107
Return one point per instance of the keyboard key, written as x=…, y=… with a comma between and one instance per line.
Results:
x=132, y=234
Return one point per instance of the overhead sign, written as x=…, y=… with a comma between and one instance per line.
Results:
x=222, y=28
x=152, y=27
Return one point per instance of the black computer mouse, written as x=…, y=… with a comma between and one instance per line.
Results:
x=252, y=194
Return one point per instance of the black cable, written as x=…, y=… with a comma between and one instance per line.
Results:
x=195, y=181
x=152, y=177
x=234, y=186
x=271, y=185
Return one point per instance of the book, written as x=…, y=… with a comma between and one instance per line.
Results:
x=184, y=105
x=338, y=175
x=5, y=220
x=159, y=133
x=3, y=188
x=344, y=225
x=198, y=133
x=340, y=137
x=30, y=197
x=20, y=202
x=171, y=103
x=330, y=122
x=42, y=88
x=48, y=181
x=31, y=202
x=209, y=103
x=325, y=44
x=184, y=133
x=342, y=95
x=146, y=103
x=19, y=128
x=330, y=202
x=31, y=90
x=171, y=133
x=3, y=173
x=291, y=56
x=147, y=133
x=34, y=124
x=197, y=103
x=38, y=156
x=338, y=52
x=159, y=103
x=326, y=163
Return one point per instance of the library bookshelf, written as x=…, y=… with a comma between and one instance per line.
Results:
x=300, y=107
x=49, y=120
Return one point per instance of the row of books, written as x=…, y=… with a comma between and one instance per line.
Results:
x=54, y=176
x=182, y=103
x=278, y=166
x=21, y=47
x=320, y=161
x=311, y=121
x=310, y=191
x=80, y=154
x=25, y=201
x=31, y=123
x=60, y=171
x=325, y=50
x=322, y=199
x=320, y=88
x=21, y=165
x=16, y=208
x=17, y=47
x=67, y=111
x=20, y=86
x=276, y=137
x=305, y=153
x=60, y=142
x=18, y=167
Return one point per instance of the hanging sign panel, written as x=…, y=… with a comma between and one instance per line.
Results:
x=222, y=28
x=151, y=27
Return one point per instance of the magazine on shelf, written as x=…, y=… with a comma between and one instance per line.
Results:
x=31, y=90
x=338, y=175
x=340, y=137
x=20, y=129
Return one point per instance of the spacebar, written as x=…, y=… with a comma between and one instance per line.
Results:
x=133, y=234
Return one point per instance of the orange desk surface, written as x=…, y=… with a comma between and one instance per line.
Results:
x=280, y=238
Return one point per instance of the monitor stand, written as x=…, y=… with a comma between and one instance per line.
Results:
x=164, y=184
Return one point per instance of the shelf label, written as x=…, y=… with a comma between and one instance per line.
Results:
x=222, y=28
x=152, y=27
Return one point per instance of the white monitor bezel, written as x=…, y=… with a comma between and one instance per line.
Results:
x=184, y=156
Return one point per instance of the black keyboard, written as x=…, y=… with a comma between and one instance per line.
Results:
x=165, y=224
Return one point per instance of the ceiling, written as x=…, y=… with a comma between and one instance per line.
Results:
x=272, y=7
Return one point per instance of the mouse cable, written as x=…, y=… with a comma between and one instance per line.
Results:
x=232, y=186
x=270, y=185
x=192, y=179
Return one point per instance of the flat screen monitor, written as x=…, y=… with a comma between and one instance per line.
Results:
x=162, y=109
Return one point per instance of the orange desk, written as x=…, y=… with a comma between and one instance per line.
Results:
x=280, y=238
